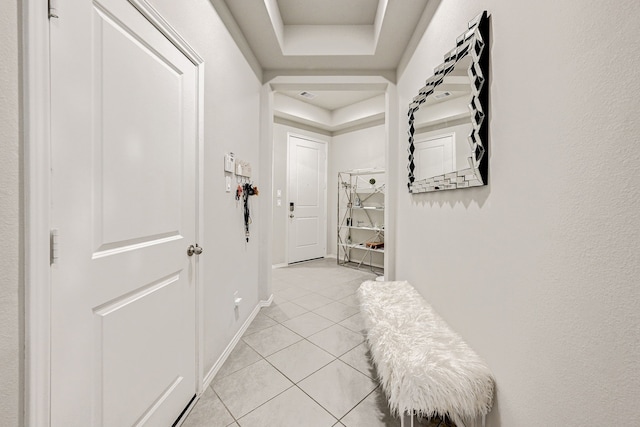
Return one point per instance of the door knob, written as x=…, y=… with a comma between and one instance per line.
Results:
x=291, y=215
x=191, y=250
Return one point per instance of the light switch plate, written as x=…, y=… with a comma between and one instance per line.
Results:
x=229, y=163
x=228, y=183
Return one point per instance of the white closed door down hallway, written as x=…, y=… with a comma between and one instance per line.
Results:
x=124, y=191
x=307, y=225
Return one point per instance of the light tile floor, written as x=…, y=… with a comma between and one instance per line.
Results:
x=303, y=361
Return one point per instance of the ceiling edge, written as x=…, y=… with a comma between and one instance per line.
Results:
x=416, y=37
x=381, y=11
x=360, y=126
x=236, y=34
x=269, y=75
x=303, y=126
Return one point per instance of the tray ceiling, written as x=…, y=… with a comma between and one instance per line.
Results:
x=328, y=37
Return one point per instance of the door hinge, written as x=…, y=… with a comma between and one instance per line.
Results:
x=53, y=246
x=53, y=9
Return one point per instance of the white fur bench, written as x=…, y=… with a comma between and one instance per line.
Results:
x=424, y=367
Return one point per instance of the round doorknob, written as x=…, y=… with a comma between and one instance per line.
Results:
x=191, y=250
x=291, y=215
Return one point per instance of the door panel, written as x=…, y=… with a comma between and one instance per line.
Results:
x=307, y=176
x=127, y=75
x=307, y=190
x=124, y=133
x=306, y=232
x=130, y=344
x=436, y=156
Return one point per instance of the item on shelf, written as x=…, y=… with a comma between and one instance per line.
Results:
x=375, y=245
x=360, y=233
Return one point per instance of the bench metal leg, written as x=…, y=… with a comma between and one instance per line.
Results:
x=457, y=421
x=404, y=416
x=475, y=422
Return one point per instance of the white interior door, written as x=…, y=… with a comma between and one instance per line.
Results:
x=307, y=199
x=435, y=156
x=124, y=139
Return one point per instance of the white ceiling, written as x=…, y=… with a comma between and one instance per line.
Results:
x=328, y=12
x=325, y=38
x=333, y=99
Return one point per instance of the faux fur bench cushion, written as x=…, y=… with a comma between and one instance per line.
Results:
x=422, y=364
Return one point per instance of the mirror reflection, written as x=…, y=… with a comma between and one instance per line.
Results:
x=447, y=119
x=442, y=125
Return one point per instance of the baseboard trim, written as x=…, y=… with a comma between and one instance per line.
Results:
x=266, y=303
x=208, y=378
x=275, y=266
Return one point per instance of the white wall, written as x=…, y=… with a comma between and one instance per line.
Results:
x=11, y=223
x=360, y=149
x=540, y=270
x=280, y=213
x=232, y=123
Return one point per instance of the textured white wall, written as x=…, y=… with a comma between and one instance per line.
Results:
x=359, y=149
x=540, y=270
x=11, y=271
x=232, y=124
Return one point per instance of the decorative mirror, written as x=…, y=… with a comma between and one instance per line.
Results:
x=448, y=119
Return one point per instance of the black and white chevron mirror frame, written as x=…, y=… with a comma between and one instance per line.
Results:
x=475, y=42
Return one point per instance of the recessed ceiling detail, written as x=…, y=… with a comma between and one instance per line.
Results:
x=333, y=36
x=333, y=99
x=328, y=12
x=327, y=37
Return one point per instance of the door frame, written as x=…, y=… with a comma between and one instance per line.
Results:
x=37, y=201
x=326, y=180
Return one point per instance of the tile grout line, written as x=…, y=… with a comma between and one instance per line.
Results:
x=267, y=401
x=318, y=403
x=225, y=406
x=296, y=384
x=356, y=405
x=310, y=294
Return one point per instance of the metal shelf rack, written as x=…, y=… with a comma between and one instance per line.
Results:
x=361, y=204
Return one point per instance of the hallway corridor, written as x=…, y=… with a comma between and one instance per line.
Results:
x=302, y=361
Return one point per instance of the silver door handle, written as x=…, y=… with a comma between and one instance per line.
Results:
x=197, y=250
